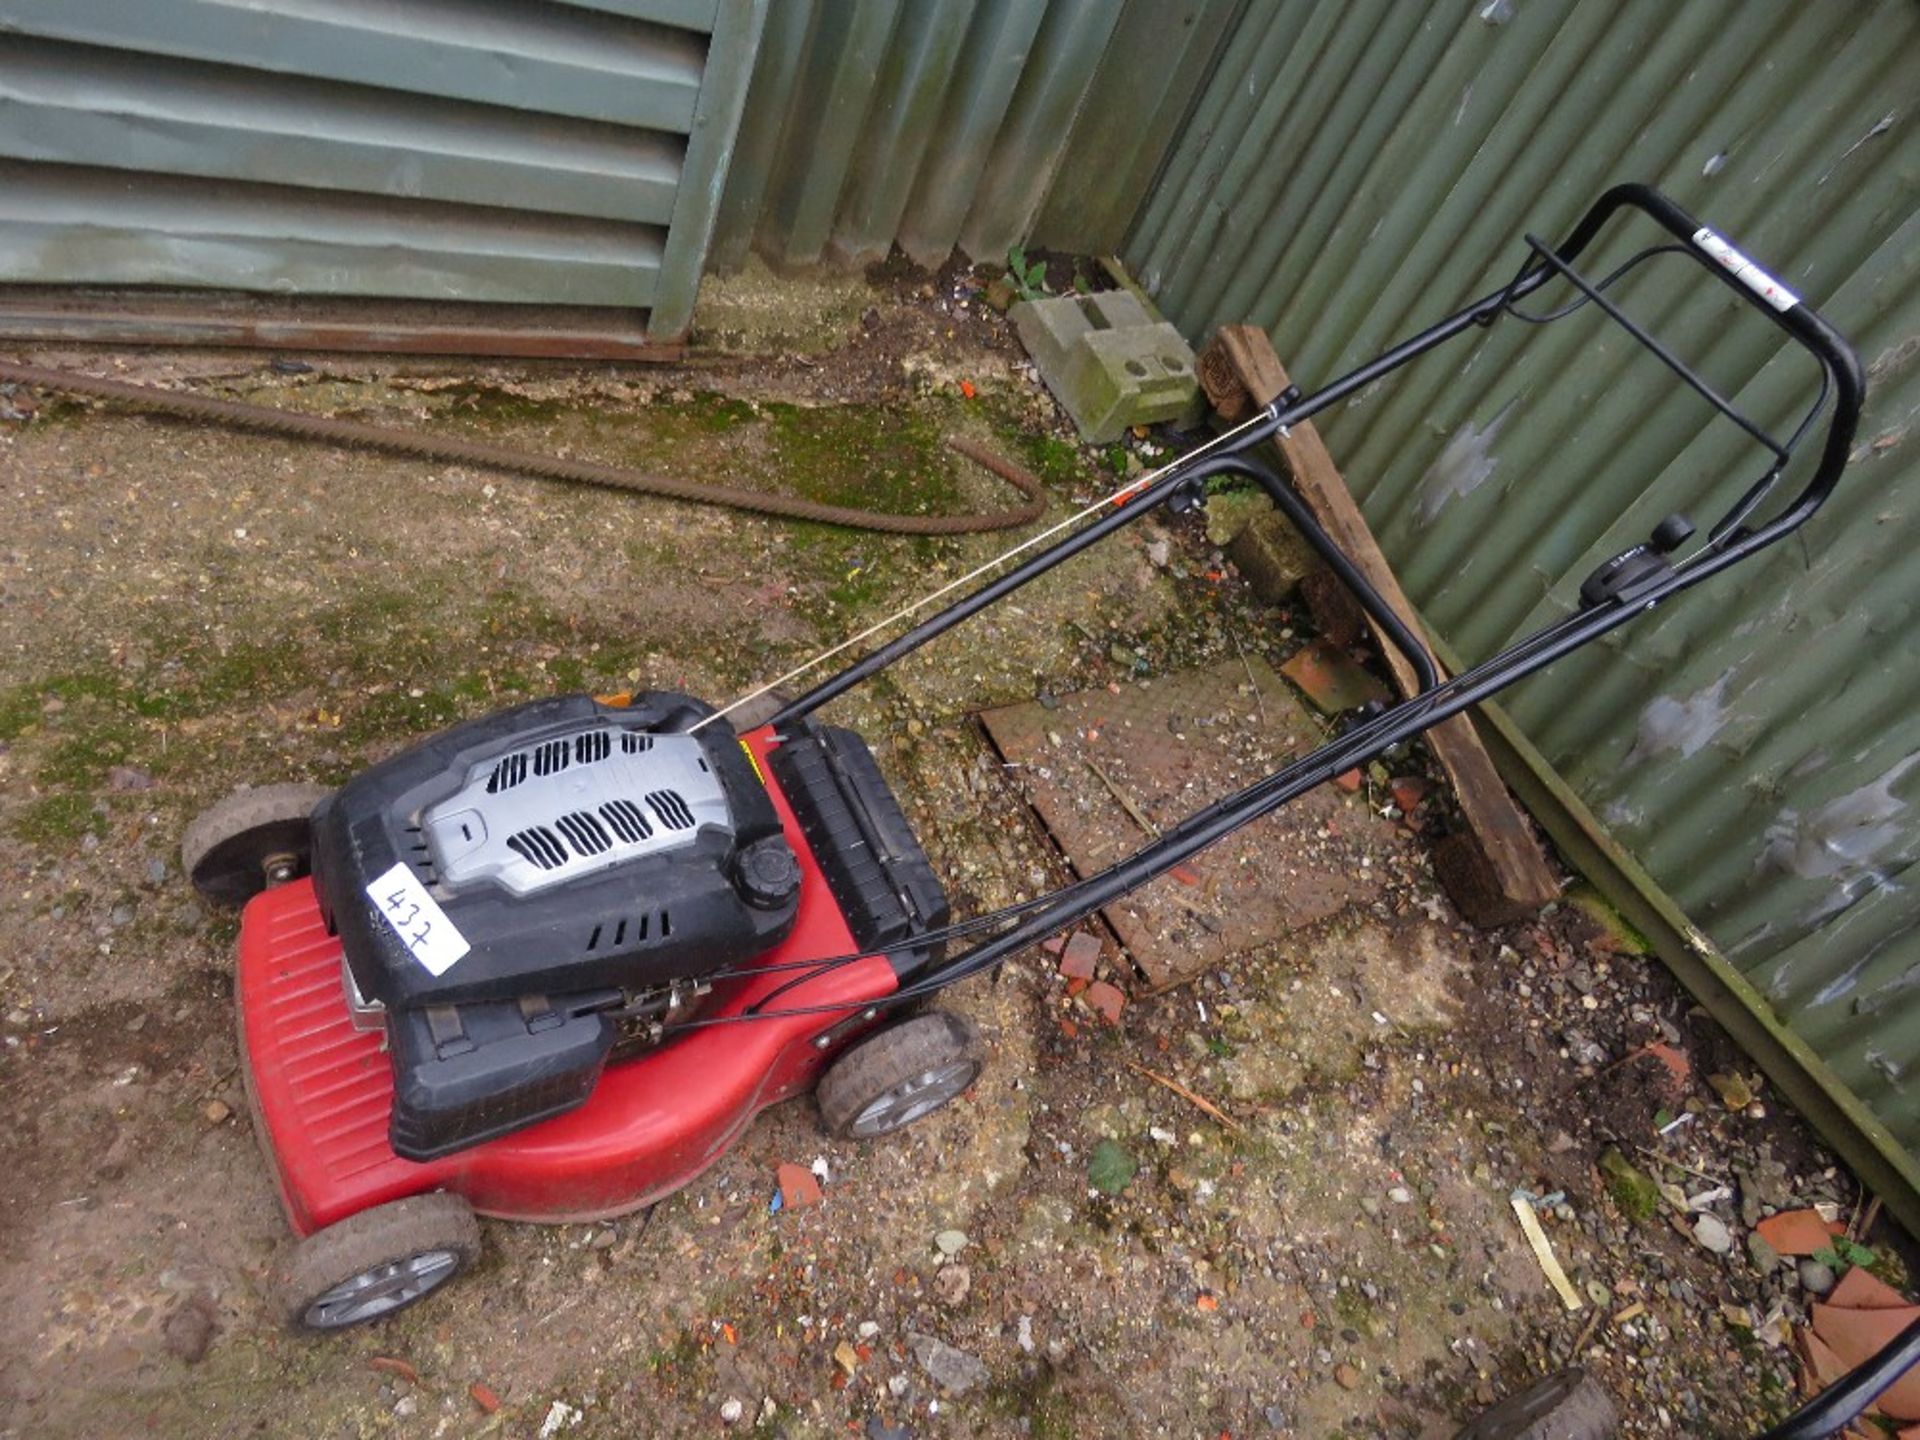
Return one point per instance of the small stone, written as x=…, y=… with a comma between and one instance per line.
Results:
x=188, y=1331
x=1400, y=1195
x=731, y=1409
x=1816, y=1277
x=846, y=1357
x=1765, y=1258
x=603, y=1240
x=128, y=777
x=950, y=1367
x=950, y=1242
x=1347, y=1377
x=217, y=1112
x=951, y=1283
x=406, y=1405
x=1711, y=1234
x=1735, y=1091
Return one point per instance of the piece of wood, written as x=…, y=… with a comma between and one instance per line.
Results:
x=1520, y=878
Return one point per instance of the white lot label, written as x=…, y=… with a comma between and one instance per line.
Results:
x=1745, y=271
x=418, y=920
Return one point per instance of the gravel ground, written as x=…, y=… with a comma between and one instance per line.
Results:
x=1273, y=1201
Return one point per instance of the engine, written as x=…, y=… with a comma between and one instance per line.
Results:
x=518, y=896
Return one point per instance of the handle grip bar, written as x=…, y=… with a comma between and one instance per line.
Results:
x=1764, y=293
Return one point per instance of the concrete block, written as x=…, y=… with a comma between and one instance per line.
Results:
x=1231, y=511
x=1272, y=555
x=1108, y=360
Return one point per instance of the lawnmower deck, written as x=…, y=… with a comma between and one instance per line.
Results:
x=322, y=1090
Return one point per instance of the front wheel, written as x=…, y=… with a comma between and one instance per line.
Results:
x=375, y=1263
x=901, y=1075
x=251, y=840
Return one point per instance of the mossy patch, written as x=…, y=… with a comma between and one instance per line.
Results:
x=59, y=819
x=1632, y=1189
x=1034, y=1403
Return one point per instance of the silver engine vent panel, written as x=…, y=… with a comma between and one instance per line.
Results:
x=547, y=813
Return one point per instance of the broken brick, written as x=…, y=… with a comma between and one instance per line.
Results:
x=1331, y=679
x=1106, y=999
x=1795, y=1232
x=1348, y=780
x=1857, y=1335
x=1076, y=984
x=1679, y=1068
x=798, y=1186
x=1859, y=1289
x=1409, y=791
x=1081, y=955
x=392, y=1365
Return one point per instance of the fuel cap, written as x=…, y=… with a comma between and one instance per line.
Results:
x=769, y=873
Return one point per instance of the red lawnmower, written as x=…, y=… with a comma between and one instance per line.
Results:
x=548, y=964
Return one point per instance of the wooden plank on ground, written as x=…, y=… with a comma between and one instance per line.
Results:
x=1502, y=873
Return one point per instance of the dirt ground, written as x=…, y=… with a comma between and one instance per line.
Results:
x=183, y=610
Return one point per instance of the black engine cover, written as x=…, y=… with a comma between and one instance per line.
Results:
x=567, y=863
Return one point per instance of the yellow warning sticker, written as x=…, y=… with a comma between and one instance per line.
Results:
x=754, y=761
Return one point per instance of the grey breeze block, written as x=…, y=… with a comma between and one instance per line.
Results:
x=1109, y=360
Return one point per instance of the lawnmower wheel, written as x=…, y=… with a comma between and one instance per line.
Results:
x=251, y=840
x=374, y=1263
x=1567, y=1405
x=896, y=1077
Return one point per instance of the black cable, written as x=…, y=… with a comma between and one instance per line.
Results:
x=1512, y=307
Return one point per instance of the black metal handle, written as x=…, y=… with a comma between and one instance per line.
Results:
x=1773, y=300
x=1841, y=1403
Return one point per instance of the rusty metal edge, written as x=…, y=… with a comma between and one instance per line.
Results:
x=307, y=326
x=1803, y=1078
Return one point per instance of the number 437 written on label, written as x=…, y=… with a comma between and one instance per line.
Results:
x=416, y=917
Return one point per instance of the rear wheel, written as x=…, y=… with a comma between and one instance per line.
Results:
x=251, y=840
x=375, y=1263
x=1567, y=1405
x=903, y=1074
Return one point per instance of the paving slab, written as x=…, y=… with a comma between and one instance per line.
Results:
x=1103, y=761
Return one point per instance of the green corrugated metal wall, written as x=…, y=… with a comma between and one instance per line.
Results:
x=568, y=152
x=975, y=123
x=1355, y=169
